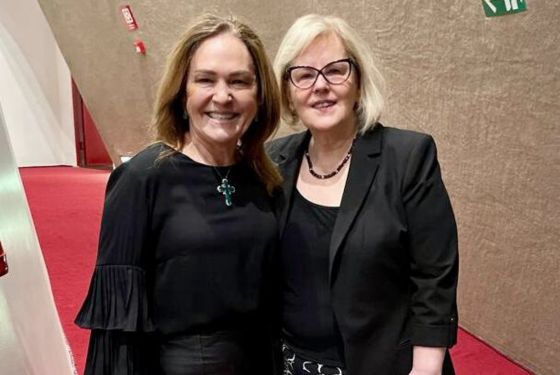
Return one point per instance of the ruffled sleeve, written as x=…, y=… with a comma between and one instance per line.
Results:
x=117, y=300
x=117, y=352
x=117, y=307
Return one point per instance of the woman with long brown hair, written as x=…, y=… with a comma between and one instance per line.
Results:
x=181, y=274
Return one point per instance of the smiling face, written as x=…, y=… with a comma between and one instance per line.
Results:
x=324, y=106
x=221, y=92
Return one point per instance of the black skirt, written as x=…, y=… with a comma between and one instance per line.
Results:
x=213, y=353
x=217, y=353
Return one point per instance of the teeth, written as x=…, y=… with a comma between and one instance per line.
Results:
x=323, y=104
x=221, y=116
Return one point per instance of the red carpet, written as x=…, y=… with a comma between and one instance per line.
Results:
x=66, y=205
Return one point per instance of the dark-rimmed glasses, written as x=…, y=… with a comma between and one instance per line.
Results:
x=335, y=73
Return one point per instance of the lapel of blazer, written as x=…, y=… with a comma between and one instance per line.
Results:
x=363, y=168
x=289, y=163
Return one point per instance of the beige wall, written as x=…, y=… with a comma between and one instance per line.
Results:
x=487, y=89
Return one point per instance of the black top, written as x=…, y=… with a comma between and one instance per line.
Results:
x=309, y=326
x=173, y=258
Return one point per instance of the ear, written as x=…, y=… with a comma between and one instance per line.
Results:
x=358, y=99
x=291, y=107
x=357, y=104
x=185, y=112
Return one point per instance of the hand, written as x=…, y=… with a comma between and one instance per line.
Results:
x=424, y=372
x=427, y=361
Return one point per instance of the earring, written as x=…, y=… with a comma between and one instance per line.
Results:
x=185, y=114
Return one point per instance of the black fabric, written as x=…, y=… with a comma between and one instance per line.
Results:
x=174, y=259
x=393, y=257
x=308, y=320
x=218, y=353
x=117, y=300
x=117, y=352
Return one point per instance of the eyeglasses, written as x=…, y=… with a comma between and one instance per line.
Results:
x=335, y=73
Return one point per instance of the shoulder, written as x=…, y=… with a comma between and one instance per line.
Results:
x=400, y=145
x=402, y=139
x=148, y=158
x=284, y=145
x=140, y=168
x=410, y=154
x=399, y=149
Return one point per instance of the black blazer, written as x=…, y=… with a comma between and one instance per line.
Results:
x=393, y=252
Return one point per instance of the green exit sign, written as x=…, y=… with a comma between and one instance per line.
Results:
x=494, y=8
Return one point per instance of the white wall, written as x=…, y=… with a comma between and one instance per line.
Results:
x=31, y=338
x=35, y=87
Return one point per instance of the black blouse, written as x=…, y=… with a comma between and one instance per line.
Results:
x=308, y=322
x=173, y=258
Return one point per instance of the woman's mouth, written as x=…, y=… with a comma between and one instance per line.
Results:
x=322, y=104
x=222, y=116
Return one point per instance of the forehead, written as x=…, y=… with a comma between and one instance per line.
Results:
x=324, y=49
x=223, y=53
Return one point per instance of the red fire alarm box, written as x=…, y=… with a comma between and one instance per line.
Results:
x=3, y=261
x=140, y=46
x=129, y=17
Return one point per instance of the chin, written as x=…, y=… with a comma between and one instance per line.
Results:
x=326, y=123
x=322, y=125
x=223, y=137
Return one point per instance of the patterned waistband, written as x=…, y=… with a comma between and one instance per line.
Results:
x=295, y=365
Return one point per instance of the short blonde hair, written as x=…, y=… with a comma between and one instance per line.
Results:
x=168, y=113
x=301, y=34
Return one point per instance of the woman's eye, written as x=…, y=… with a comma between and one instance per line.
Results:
x=305, y=76
x=333, y=71
x=204, y=80
x=240, y=83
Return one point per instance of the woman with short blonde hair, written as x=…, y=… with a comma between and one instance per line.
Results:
x=368, y=248
x=371, y=82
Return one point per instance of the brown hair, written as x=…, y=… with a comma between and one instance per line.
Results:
x=169, y=106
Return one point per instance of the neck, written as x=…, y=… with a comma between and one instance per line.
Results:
x=209, y=153
x=327, y=149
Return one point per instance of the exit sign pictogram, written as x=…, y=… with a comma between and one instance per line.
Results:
x=494, y=8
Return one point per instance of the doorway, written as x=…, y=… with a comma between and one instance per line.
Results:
x=90, y=148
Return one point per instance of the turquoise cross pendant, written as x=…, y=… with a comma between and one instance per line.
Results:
x=227, y=190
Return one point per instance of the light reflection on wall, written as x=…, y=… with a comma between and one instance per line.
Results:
x=31, y=337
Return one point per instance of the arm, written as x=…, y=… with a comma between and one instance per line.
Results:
x=434, y=259
x=427, y=361
x=116, y=308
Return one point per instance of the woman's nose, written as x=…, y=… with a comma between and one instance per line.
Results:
x=222, y=93
x=321, y=83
